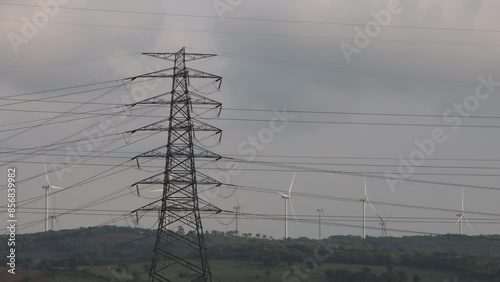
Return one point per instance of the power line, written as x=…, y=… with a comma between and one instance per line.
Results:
x=370, y=172
x=130, y=154
x=247, y=33
x=46, y=100
x=360, y=174
x=313, y=216
x=361, y=123
x=363, y=158
x=310, y=218
x=86, y=181
x=351, y=200
x=48, y=123
x=32, y=67
x=282, y=163
x=463, y=174
x=354, y=113
x=249, y=18
x=62, y=121
x=379, y=203
x=42, y=123
x=354, y=72
x=67, y=137
x=93, y=115
x=66, y=88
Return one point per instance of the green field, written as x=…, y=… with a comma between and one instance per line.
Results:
x=111, y=253
x=223, y=271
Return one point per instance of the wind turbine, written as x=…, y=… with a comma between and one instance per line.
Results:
x=47, y=195
x=161, y=190
x=288, y=200
x=237, y=212
x=54, y=217
x=364, y=202
x=462, y=216
x=320, y=213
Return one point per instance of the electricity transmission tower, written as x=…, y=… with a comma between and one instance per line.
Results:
x=320, y=213
x=237, y=213
x=176, y=252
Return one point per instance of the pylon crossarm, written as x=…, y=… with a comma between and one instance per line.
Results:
x=188, y=56
x=202, y=126
x=153, y=100
x=156, y=126
x=196, y=99
x=194, y=73
x=151, y=180
x=181, y=125
x=203, y=179
x=156, y=180
x=158, y=73
x=169, y=73
x=207, y=207
x=164, y=56
x=199, y=152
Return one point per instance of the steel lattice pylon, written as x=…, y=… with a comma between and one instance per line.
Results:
x=179, y=252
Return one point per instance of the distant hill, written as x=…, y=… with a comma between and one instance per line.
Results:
x=111, y=245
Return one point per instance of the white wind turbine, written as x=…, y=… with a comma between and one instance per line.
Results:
x=47, y=196
x=53, y=217
x=288, y=200
x=161, y=190
x=364, y=202
x=462, y=216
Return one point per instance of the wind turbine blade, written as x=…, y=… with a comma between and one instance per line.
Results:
x=56, y=187
x=293, y=211
x=463, y=190
x=375, y=211
x=57, y=221
x=46, y=174
x=468, y=223
x=157, y=190
x=366, y=192
x=238, y=200
x=291, y=184
x=284, y=195
x=460, y=218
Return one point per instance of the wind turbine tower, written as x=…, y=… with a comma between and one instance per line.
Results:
x=367, y=201
x=461, y=216
x=287, y=199
x=363, y=202
x=47, y=197
x=384, y=229
x=53, y=218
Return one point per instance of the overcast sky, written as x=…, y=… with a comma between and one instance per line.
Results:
x=294, y=61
